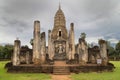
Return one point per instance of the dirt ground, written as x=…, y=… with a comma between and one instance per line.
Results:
x=60, y=77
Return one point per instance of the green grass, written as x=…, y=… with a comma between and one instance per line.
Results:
x=100, y=76
x=82, y=76
x=21, y=76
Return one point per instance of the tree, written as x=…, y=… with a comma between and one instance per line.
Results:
x=111, y=50
x=117, y=48
x=1, y=52
x=31, y=42
x=83, y=35
x=9, y=49
x=6, y=51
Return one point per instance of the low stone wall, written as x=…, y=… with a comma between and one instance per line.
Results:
x=25, y=69
x=49, y=69
x=79, y=69
x=28, y=69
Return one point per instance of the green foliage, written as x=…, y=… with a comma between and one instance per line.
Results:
x=20, y=76
x=111, y=50
x=100, y=76
x=113, y=53
x=1, y=52
x=83, y=35
x=6, y=51
x=117, y=48
x=31, y=41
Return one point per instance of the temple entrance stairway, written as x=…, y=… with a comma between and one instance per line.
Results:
x=61, y=68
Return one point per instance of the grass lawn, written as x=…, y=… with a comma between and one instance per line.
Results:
x=82, y=76
x=21, y=76
x=100, y=76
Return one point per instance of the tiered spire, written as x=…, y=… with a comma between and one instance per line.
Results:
x=59, y=24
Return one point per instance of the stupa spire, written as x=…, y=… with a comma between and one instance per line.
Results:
x=59, y=6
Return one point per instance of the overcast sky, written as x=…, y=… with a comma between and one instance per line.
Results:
x=97, y=18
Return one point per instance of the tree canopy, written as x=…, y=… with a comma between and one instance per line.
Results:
x=6, y=51
x=117, y=48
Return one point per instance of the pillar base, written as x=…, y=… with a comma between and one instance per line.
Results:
x=37, y=61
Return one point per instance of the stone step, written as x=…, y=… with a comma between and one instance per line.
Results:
x=61, y=73
x=61, y=70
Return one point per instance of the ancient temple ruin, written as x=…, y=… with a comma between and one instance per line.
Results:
x=62, y=55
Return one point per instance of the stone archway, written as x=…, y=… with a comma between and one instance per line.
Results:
x=60, y=50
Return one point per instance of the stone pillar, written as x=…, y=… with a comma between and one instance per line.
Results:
x=82, y=51
x=27, y=57
x=43, y=48
x=103, y=51
x=67, y=49
x=71, y=42
x=85, y=52
x=79, y=51
x=36, y=43
x=50, y=46
x=16, y=53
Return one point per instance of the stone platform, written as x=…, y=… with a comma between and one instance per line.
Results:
x=59, y=67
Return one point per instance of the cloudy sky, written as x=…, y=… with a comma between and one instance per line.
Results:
x=97, y=18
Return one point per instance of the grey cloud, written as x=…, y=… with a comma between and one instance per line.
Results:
x=14, y=24
x=94, y=17
x=100, y=8
x=26, y=7
x=112, y=36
